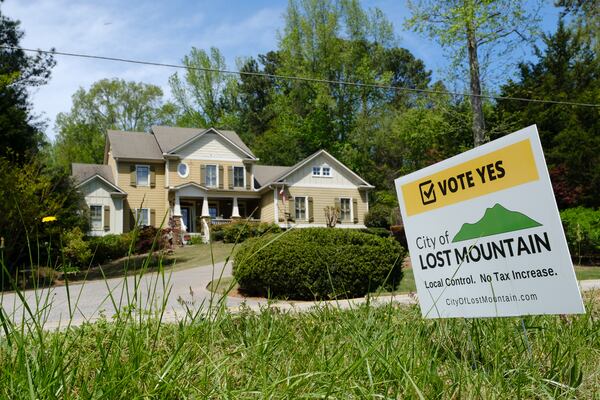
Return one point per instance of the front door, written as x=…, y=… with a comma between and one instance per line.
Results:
x=186, y=218
x=213, y=209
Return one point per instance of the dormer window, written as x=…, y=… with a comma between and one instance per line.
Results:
x=183, y=170
x=321, y=170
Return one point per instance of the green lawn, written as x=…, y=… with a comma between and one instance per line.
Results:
x=200, y=254
x=585, y=273
x=182, y=258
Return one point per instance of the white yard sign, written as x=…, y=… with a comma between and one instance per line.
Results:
x=485, y=236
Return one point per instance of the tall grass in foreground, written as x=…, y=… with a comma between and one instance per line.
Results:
x=366, y=352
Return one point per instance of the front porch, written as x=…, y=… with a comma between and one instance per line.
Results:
x=194, y=208
x=217, y=211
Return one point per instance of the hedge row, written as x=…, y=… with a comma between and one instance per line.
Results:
x=318, y=263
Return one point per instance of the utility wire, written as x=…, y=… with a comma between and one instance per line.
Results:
x=300, y=78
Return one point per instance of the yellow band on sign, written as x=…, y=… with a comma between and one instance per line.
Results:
x=501, y=169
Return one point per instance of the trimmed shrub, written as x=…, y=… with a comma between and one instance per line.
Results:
x=318, y=263
x=76, y=250
x=582, y=230
x=236, y=232
x=110, y=247
x=217, y=233
x=242, y=230
x=379, y=216
x=381, y=232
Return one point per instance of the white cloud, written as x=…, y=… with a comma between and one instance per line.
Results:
x=139, y=30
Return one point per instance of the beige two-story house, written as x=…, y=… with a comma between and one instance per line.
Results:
x=190, y=178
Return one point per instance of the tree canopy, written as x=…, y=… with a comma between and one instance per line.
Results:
x=108, y=104
x=20, y=132
x=473, y=31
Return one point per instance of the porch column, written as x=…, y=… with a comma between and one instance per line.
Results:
x=177, y=206
x=205, y=212
x=235, y=212
x=205, y=221
x=178, y=229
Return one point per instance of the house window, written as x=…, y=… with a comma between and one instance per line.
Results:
x=96, y=217
x=326, y=171
x=143, y=175
x=183, y=170
x=238, y=176
x=211, y=175
x=345, y=211
x=316, y=171
x=142, y=216
x=300, y=203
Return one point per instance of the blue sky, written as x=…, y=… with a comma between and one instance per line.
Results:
x=165, y=31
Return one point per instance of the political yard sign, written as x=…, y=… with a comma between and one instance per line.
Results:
x=485, y=236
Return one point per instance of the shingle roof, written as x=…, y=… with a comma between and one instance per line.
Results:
x=134, y=145
x=265, y=174
x=169, y=137
x=83, y=172
x=269, y=173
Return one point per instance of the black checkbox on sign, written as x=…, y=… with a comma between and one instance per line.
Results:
x=427, y=190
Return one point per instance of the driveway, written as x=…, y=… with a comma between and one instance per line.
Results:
x=182, y=291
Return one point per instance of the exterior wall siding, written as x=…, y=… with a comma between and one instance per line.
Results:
x=211, y=146
x=194, y=172
x=323, y=197
x=267, y=207
x=147, y=197
x=339, y=177
x=113, y=167
x=97, y=193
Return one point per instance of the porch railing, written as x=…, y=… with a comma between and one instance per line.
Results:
x=221, y=221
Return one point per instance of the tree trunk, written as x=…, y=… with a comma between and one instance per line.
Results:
x=479, y=136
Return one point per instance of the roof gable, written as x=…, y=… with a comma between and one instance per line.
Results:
x=330, y=160
x=172, y=139
x=115, y=188
x=210, y=145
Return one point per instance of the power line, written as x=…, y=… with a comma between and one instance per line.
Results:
x=300, y=78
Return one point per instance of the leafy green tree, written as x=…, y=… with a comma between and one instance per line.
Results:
x=108, y=104
x=205, y=96
x=400, y=141
x=31, y=192
x=334, y=41
x=256, y=95
x=473, y=30
x=20, y=132
x=586, y=19
x=567, y=69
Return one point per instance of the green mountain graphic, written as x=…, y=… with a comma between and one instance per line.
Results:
x=495, y=220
